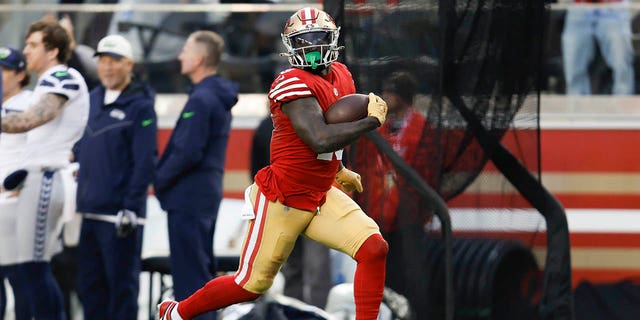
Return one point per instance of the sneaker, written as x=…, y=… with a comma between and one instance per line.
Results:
x=165, y=308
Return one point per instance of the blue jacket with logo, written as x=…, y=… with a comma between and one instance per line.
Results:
x=189, y=173
x=118, y=152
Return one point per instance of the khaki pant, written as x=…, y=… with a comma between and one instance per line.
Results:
x=340, y=224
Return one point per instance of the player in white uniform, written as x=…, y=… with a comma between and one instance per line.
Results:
x=54, y=122
x=14, y=99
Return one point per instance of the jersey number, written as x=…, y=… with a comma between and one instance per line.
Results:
x=329, y=155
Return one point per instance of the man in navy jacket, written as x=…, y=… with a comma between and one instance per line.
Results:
x=117, y=155
x=188, y=179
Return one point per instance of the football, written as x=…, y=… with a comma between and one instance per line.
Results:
x=349, y=108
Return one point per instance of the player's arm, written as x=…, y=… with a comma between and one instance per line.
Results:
x=47, y=108
x=308, y=122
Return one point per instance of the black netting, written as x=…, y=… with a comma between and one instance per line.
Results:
x=485, y=73
x=473, y=127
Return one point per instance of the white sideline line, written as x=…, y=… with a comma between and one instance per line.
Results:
x=580, y=220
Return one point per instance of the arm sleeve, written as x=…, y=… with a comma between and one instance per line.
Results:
x=144, y=148
x=189, y=140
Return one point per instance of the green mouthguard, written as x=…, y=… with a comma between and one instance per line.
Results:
x=312, y=57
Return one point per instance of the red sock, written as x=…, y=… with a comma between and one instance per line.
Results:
x=217, y=293
x=369, y=278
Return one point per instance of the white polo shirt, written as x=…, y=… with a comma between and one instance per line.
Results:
x=49, y=145
x=12, y=145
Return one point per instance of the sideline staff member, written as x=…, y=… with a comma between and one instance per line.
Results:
x=189, y=175
x=116, y=156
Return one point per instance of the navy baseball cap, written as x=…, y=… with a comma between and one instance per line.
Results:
x=12, y=59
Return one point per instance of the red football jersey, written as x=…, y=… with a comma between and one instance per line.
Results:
x=386, y=190
x=298, y=177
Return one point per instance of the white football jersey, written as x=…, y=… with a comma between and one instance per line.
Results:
x=49, y=145
x=12, y=145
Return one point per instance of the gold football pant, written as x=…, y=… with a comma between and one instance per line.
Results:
x=339, y=224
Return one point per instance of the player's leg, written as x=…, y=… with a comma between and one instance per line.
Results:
x=342, y=225
x=8, y=229
x=293, y=270
x=42, y=288
x=7, y=234
x=21, y=299
x=38, y=215
x=268, y=242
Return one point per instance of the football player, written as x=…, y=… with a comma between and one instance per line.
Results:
x=54, y=121
x=15, y=99
x=294, y=195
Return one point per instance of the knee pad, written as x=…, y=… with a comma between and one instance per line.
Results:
x=374, y=248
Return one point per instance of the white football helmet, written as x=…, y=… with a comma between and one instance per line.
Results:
x=311, y=38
